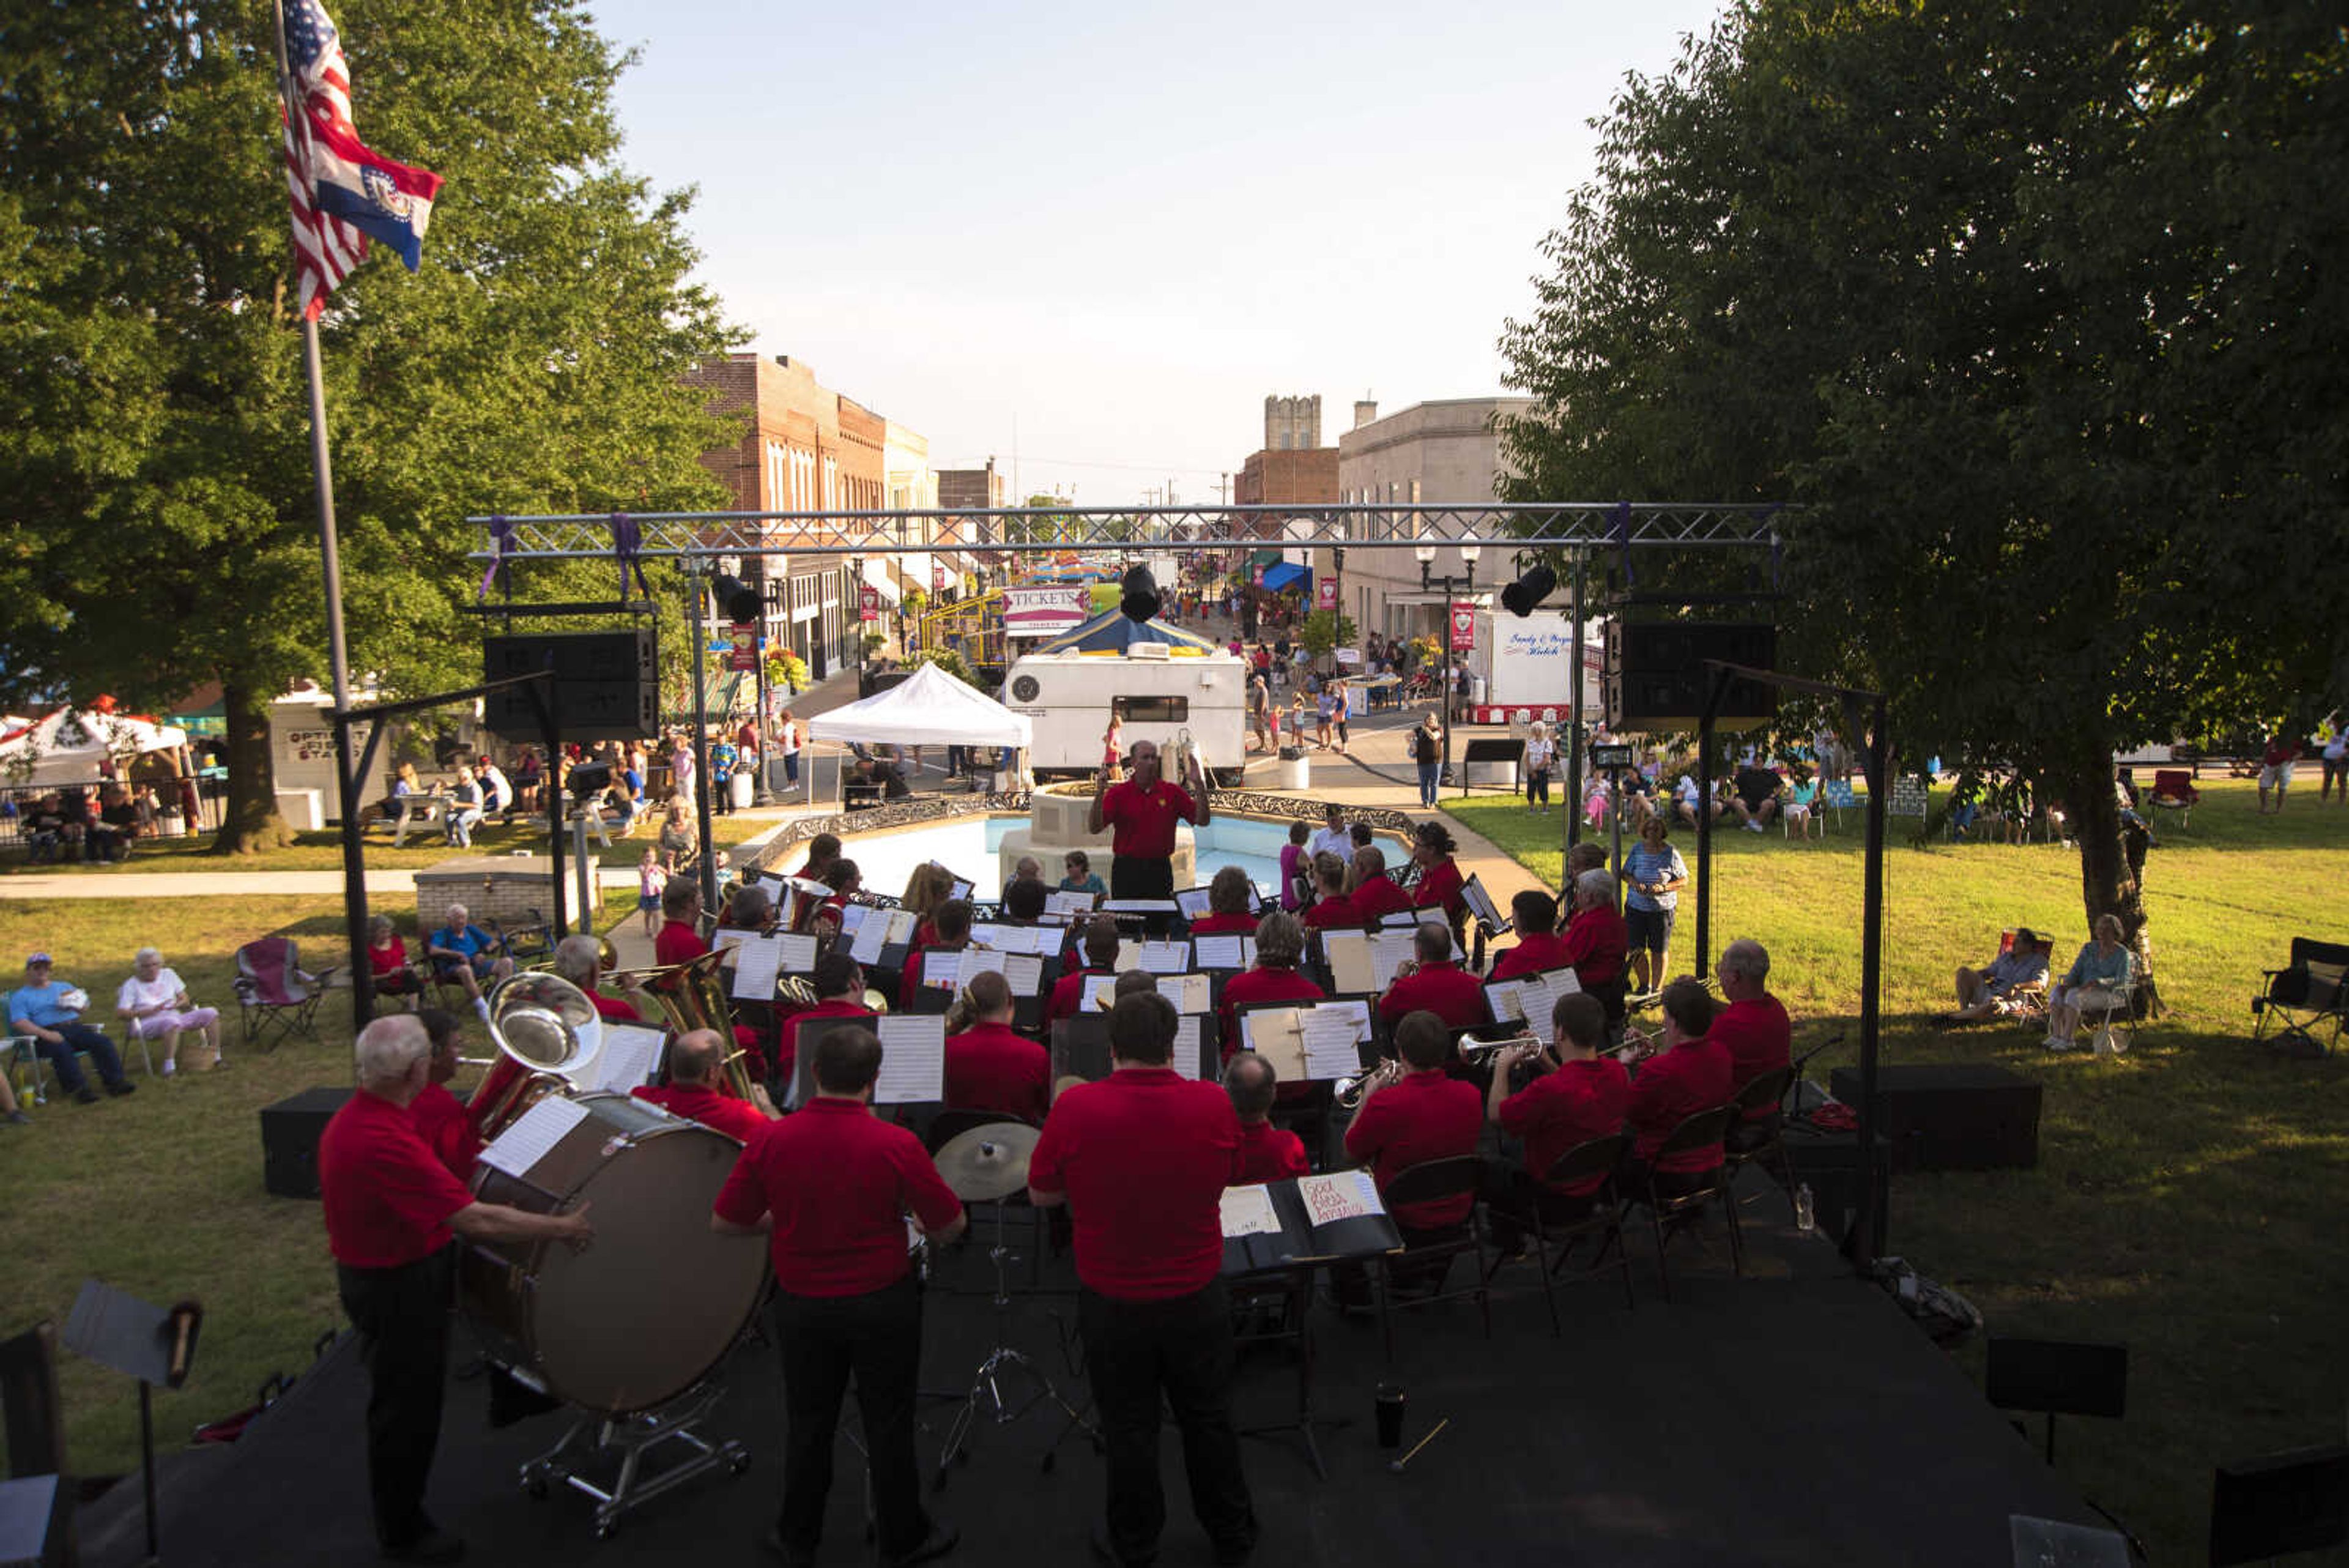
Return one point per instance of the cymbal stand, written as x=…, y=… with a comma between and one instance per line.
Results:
x=987, y=1382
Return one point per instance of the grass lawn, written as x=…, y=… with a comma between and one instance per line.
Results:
x=2184, y=1192
x=324, y=851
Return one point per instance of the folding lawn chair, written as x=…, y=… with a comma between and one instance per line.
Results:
x=274, y=992
x=2303, y=998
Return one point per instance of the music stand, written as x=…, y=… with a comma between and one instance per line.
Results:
x=154, y=1345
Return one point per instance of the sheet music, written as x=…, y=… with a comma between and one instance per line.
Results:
x=1388, y=951
x=1224, y=952
x=772, y=886
x=1480, y=904
x=1248, y=1211
x=1506, y=998
x=1329, y=1037
x=1356, y=1008
x=798, y=954
x=757, y=961
x=1167, y=957
x=1190, y=993
x=1193, y=902
x=1342, y=1195
x=538, y=1130
x=1097, y=992
x=1017, y=938
x=630, y=1055
x=1025, y=972
x=976, y=961
x=1350, y=969
x=913, y=1059
x=1138, y=905
x=1405, y=919
x=726, y=937
x=1069, y=902
x=872, y=936
x=852, y=918
x=1186, y=1046
x=1277, y=1034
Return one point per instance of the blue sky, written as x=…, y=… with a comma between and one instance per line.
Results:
x=1099, y=236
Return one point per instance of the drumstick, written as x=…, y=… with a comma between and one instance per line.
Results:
x=1395, y=1466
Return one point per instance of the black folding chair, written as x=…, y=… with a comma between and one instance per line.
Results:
x=1561, y=1222
x=2307, y=996
x=1751, y=1139
x=1422, y=1183
x=1675, y=1201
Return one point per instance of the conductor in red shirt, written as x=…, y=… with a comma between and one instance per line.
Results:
x=1431, y=982
x=1690, y=1075
x=391, y=1211
x=1267, y=1153
x=696, y=1069
x=440, y=1118
x=1754, y=1028
x=990, y=1066
x=1142, y=1159
x=830, y=1189
x=1141, y=815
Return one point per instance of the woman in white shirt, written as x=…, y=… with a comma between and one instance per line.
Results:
x=788, y=740
x=1541, y=755
x=155, y=1005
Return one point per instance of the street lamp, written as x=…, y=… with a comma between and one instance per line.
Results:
x=1425, y=555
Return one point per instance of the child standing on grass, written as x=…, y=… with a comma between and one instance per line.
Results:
x=651, y=878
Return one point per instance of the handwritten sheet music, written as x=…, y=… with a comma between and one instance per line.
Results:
x=1225, y=952
x=757, y=961
x=912, y=1060
x=1342, y=1195
x=797, y=954
x=1068, y=903
x=539, y=1129
x=1329, y=1035
x=1187, y=1046
x=1167, y=957
x=1190, y=993
x=1248, y=1211
x=630, y=1055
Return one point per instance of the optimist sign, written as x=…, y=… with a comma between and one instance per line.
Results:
x=1325, y=594
x=868, y=603
x=1464, y=625
x=743, y=653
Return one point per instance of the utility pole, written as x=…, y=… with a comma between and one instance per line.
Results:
x=1224, y=489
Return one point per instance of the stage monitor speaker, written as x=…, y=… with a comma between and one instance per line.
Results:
x=607, y=683
x=290, y=1131
x=1957, y=1116
x=2057, y=1375
x=2297, y=1501
x=1655, y=675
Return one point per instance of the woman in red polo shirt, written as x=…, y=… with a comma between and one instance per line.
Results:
x=1231, y=906
x=1440, y=881
x=1279, y=943
x=1331, y=905
x=1140, y=813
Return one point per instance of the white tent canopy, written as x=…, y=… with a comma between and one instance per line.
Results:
x=67, y=746
x=930, y=708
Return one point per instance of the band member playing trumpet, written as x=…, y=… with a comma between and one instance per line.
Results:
x=991, y=1068
x=1140, y=813
x=1754, y=1028
x=1689, y=1075
x=1431, y=982
x=391, y=1208
x=1533, y=915
x=696, y=1068
x=1267, y=1153
x=840, y=993
x=1279, y=943
x=1068, y=997
x=1581, y=1097
x=580, y=961
x=439, y=1115
x=679, y=938
x=830, y=1189
x=1415, y=1116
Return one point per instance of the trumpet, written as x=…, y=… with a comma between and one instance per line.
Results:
x=1638, y=1045
x=1475, y=1053
x=1349, y=1093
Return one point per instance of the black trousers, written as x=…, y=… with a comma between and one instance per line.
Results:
x=1130, y=876
x=1134, y=1351
x=878, y=1338
x=402, y=1318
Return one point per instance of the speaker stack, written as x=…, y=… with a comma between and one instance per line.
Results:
x=1655, y=674
x=607, y=683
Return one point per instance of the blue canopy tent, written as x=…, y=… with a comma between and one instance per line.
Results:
x=1113, y=632
x=1286, y=575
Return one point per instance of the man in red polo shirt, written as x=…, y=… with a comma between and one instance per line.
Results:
x=1690, y=1075
x=1375, y=895
x=1431, y=982
x=1267, y=1153
x=391, y=1208
x=1754, y=1028
x=989, y=1067
x=1581, y=1098
x=1331, y=905
x=1533, y=915
x=580, y=961
x=679, y=938
x=696, y=1069
x=1142, y=1159
x=1140, y=813
x=1279, y=944
x=840, y=993
x=1595, y=942
x=829, y=1188
x=1068, y=997
x=440, y=1118
x=1422, y=1115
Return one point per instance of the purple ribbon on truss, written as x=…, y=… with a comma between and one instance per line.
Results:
x=627, y=542
x=501, y=534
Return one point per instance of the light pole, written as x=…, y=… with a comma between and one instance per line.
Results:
x=1425, y=555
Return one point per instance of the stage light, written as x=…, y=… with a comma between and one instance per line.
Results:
x=1138, y=593
x=1528, y=591
x=738, y=599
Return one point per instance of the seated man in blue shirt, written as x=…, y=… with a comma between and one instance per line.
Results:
x=464, y=953
x=1998, y=987
x=465, y=806
x=50, y=1011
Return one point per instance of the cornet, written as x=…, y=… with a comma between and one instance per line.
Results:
x=1351, y=1093
x=1638, y=1045
x=1476, y=1052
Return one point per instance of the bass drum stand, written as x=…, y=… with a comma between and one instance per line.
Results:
x=593, y=1439
x=986, y=1383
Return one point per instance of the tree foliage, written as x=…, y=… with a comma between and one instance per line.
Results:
x=2036, y=316
x=163, y=527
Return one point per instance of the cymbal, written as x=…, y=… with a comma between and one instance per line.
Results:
x=1065, y=1082
x=988, y=1162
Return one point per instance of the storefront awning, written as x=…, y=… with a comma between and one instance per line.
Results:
x=1288, y=574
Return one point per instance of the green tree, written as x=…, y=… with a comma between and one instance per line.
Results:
x=1324, y=632
x=2029, y=312
x=159, y=482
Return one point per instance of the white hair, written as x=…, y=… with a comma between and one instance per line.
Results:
x=143, y=954
x=575, y=958
x=389, y=1046
x=1748, y=958
x=458, y=913
x=1596, y=885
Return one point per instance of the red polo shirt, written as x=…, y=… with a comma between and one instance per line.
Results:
x=1557, y=1111
x=612, y=1009
x=909, y=984
x=838, y=1181
x=1758, y=1037
x=1377, y=898
x=387, y=1196
x=1422, y=1115
x=1439, y=885
x=991, y=1067
x=441, y=1121
x=1223, y=926
x=1595, y=944
x=737, y=1119
x=1143, y=1157
x=1268, y=1153
x=1443, y=988
x=1068, y=997
x=787, y=1051
x=1261, y=984
x=1141, y=822
x=677, y=941
x=1533, y=955
x=1691, y=1077
x=1333, y=909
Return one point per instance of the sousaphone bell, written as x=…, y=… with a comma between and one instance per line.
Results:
x=548, y=1036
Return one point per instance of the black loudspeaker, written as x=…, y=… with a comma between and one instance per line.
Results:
x=2058, y=1376
x=290, y=1130
x=607, y=683
x=2290, y=1503
x=1655, y=674
x=1955, y=1117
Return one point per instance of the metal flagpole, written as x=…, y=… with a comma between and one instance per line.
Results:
x=354, y=909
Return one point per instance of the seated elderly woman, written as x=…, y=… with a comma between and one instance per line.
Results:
x=2097, y=981
x=154, y=1004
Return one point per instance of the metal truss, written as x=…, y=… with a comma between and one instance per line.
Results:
x=703, y=535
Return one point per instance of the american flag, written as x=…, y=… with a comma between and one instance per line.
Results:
x=341, y=191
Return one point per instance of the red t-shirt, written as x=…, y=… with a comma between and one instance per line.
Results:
x=1223, y=926
x=614, y=1009
x=839, y=1182
x=387, y=1196
x=1143, y=1157
x=1557, y=1111
x=1268, y=1153
x=1532, y=955
x=2279, y=752
x=1421, y=1116
x=787, y=1049
x=991, y=1067
x=387, y=960
x=1758, y=1037
x=1377, y=898
x=1143, y=821
x=1068, y=997
x=441, y=1121
x=1595, y=945
x=1691, y=1077
x=1260, y=984
x=1333, y=909
x=675, y=942
x=737, y=1119
x=1443, y=988
x=1440, y=884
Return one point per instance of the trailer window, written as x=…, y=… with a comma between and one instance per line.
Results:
x=1153, y=710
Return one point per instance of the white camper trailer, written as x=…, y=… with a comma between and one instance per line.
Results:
x=1161, y=692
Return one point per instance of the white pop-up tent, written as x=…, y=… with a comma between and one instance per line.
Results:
x=67, y=746
x=930, y=708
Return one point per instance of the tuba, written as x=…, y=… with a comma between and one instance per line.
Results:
x=548, y=1034
x=693, y=995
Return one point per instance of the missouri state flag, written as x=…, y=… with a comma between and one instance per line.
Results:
x=343, y=192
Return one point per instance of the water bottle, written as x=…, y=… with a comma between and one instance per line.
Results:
x=1806, y=1219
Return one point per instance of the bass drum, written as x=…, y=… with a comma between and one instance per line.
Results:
x=655, y=1301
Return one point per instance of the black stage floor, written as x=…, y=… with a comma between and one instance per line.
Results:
x=1792, y=1417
